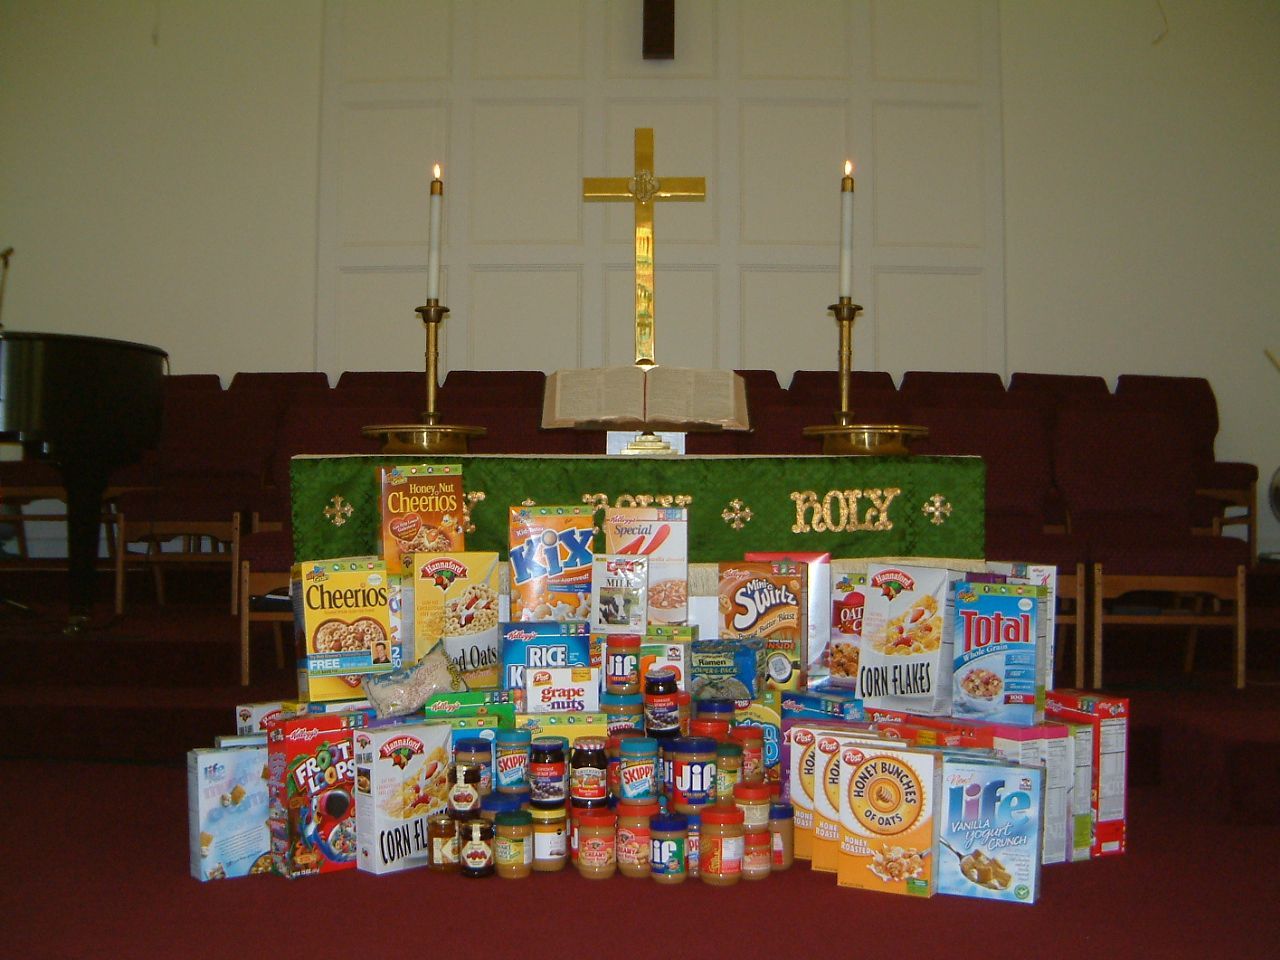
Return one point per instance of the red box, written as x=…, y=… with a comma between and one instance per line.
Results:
x=1109, y=717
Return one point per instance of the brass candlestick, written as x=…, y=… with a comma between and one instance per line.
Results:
x=844, y=437
x=430, y=436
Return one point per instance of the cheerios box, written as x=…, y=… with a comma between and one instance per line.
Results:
x=999, y=664
x=227, y=812
x=539, y=645
x=662, y=535
x=422, y=511
x=552, y=550
x=342, y=618
x=401, y=780
x=456, y=599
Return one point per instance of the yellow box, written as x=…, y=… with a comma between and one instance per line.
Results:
x=455, y=600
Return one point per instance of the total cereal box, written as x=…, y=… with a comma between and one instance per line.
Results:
x=551, y=559
x=1109, y=719
x=227, y=813
x=888, y=819
x=999, y=664
x=990, y=833
x=768, y=599
x=456, y=603
x=422, y=512
x=662, y=535
x=401, y=780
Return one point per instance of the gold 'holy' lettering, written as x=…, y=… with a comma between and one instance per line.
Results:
x=838, y=510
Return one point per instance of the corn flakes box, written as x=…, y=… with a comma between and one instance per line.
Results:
x=905, y=653
x=342, y=618
x=848, y=602
x=998, y=670
x=551, y=559
x=768, y=599
x=662, y=535
x=456, y=603
x=401, y=780
x=990, y=835
x=540, y=645
x=888, y=822
x=227, y=813
x=422, y=512
x=818, y=614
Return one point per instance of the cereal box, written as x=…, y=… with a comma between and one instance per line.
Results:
x=818, y=614
x=551, y=557
x=619, y=593
x=728, y=669
x=1037, y=575
x=888, y=826
x=801, y=776
x=401, y=779
x=768, y=599
x=253, y=717
x=821, y=703
x=828, y=751
x=456, y=602
x=661, y=534
x=764, y=712
x=669, y=646
x=990, y=832
x=227, y=813
x=905, y=655
x=342, y=618
x=848, y=600
x=311, y=815
x=1080, y=797
x=1109, y=719
x=540, y=645
x=571, y=726
x=999, y=667
x=313, y=689
x=562, y=689
x=422, y=512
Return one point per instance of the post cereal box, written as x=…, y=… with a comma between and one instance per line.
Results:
x=768, y=599
x=401, y=779
x=227, y=813
x=551, y=557
x=818, y=615
x=829, y=750
x=999, y=669
x=990, y=831
x=532, y=646
x=343, y=619
x=456, y=602
x=905, y=655
x=1109, y=719
x=662, y=535
x=848, y=602
x=888, y=827
x=312, y=813
x=562, y=690
x=422, y=512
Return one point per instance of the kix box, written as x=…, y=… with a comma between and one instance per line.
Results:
x=551, y=559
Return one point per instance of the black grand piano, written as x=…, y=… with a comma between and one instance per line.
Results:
x=90, y=406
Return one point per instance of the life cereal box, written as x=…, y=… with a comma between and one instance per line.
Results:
x=456, y=602
x=990, y=832
x=848, y=602
x=401, y=780
x=422, y=512
x=619, y=593
x=662, y=535
x=551, y=557
x=312, y=812
x=818, y=615
x=888, y=823
x=343, y=618
x=532, y=646
x=905, y=655
x=227, y=813
x=768, y=599
x=999, y=669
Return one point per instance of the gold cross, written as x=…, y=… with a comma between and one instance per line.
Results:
x=937, y=509
x=338, y=511
x=642, y=189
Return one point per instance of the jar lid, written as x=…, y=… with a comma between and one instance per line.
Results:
x=514, y=736
x=661, y=673
x=500, y=802
x=751, y=791
x=729, y=749
x=692, y=745
x=723, y=708
x=781, y=811
x=550, y=743
x=722, y=815
x=555, y=813
x=668, y=823
x=623, y=640
x=747, y=733
x=589, y=743
x=637, y=809
x=717, y=729
x=639, y=747
x=621, y=700
x=472, y=745
x=596, y=818
x=514, y=818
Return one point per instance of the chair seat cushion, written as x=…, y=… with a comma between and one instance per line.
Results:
x=268, y=550
x=1168, y=555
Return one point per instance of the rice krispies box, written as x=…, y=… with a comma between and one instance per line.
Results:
x=227, y=813
x=998, y=666
x=401, y=780
x=539, y=645
x=312, y=812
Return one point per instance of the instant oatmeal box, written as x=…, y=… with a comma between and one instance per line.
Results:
x=422, y=512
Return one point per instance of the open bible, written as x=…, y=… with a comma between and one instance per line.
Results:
x=635, y=398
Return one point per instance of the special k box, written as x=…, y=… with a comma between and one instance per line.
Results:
x=1109, y=718
x=401, y=780
x=768, y=599
x=662, y=535
x=342, y=618
x=551, y=558
x=422, y=512
x=888, y=822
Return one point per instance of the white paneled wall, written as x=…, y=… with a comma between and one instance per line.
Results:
x=520, y=99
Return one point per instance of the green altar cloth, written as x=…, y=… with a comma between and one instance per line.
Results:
x=845, y=506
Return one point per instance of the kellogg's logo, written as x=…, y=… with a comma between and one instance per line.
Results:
x=892, y=582
x=303, y=733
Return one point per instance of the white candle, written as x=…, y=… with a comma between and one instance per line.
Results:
x=433, y=236
x=846, y=231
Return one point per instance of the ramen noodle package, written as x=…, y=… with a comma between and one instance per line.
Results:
x=905, y=654
x=343, y=618
x=729, y=669
x=848, y=602
x=532, y=646
x=999, y=667
x=312, y=811
x=818, y=615
x=551, y=557
x=456, y=603
x=619, y=593
x=662, y=535
x=227, y=813
x=422, y=512
x=888, y=819
x=990, y=831
x=401, y=779
x=768, y=599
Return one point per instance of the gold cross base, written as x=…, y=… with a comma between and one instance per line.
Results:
x=423, y=438
x=866, y=439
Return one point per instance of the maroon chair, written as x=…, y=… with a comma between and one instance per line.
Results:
x=936, y=388
x=494, y=387
x=823, y=386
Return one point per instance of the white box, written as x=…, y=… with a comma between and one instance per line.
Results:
x=227, y=812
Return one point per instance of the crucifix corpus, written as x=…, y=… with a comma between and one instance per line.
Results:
x=644, y=189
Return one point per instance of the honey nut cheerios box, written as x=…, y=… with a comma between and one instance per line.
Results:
x=662, y=535
x=551, y=550
x=768, y=599
x=342, y=618
x=401, y=780
x=456, y=602
x=422, y=511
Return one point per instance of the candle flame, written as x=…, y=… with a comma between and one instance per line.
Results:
x=435, y=171
x=848, y=168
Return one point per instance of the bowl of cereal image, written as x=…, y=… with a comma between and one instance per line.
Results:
x=669, y=601
x=978, y=690
x=472, y=635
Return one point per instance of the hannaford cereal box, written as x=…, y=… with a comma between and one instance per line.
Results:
x=1109, y=718
x=342, y=618
x=619, y=593
x=422, y=512
x=764, y=712
x=662, y=535
x=998, y=667
x=989, y=833
x=401, y=780
x=227, y=813
x=562, y=689
x=456, y=603
x=768, y=599
x=537, y=645
x=312, y=813
x=253, y=717
x=848, y=600
x=551, y=557
x=668, y=646
x=818, y=614
x=888, y=826
x=905, y=654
